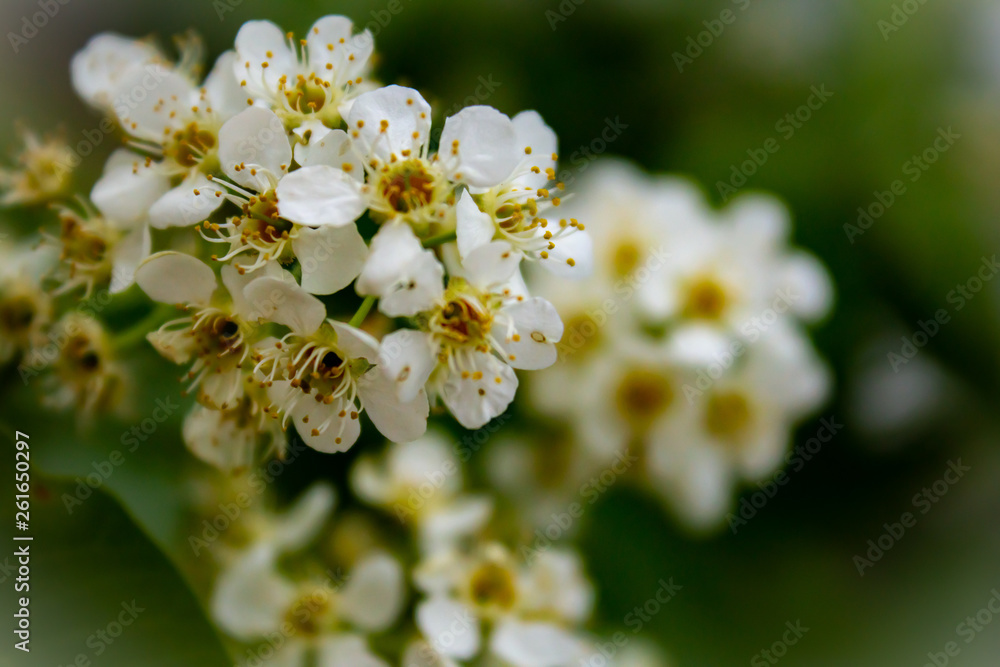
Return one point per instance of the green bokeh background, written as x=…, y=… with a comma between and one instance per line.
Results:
x=614, y=59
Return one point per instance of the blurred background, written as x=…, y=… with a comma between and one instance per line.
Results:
x=899, y=74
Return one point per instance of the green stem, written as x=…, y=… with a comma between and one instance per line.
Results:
x=137, y=332
x=363, y=310
x=440, y=239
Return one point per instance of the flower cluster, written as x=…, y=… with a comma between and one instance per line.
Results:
x=686, y=346
x=281, y=163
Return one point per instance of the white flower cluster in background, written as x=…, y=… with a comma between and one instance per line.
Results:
x=686, y=347
x=271, y=162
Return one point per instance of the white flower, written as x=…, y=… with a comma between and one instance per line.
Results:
x=322, y=376
x=85, y=374
x=472, y=335
x=25, y=308
x=421, y=482
x=106, y=246
x=42, y=171
x=515, y=210
x=738, y=429
x=230, y=439
x=255, y=153
x=532, y=609
x=221, y=323
x=254, y=601
x=302, y=81
x=180, y=122
x=386, y=151
x=108, y=58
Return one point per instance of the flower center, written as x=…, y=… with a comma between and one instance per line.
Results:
x=706, y=300
x=17, y=314
x=190, y=146
x=492, y=585
x=625, y=258
x=463, y=318
x=408, y=186
x=643, y=396
x=306, y=616
x=727, y=415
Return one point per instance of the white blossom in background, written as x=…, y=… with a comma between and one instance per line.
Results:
x=420, y=483
x=41, y=171
x=686, y=345
x=532, y=611
x=325, y=618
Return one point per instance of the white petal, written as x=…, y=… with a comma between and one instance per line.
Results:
x=250, y=598
x=333, y=149
x=407, y=359
x=128, y=187
x=349, y=56
x=260, y=42
x=534, y=644
x=162, y=108
x=254, y=139
x=374, y=593
x=331, y=257
x=286, y=303
x=175, y=278
x=345, y=651
x=225, y=95
x=479, y=146
x=98, y=69
x=404, y=111
x=218, y=440
x=340, y=432
x=450, y=626
x=397, y=421
x=457, y=519
x=474, y=402
x=181, y=207
x=474, y=228
x=300, y=524
x=491, y=265
x=320, y=195
x=221, y=390
x=538, y=328
x=534, y=134
x=406, y=277
x=130, y=252
x=807, y=286
x=236, y=282
x=355, y=343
